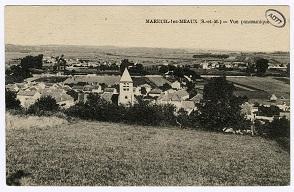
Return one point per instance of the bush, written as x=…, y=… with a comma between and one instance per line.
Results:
x=142, y=113
x=145, y=114
x=96, y=108
x=11, y=102
x=278, y=130
x=44, y=106
x=268, y=111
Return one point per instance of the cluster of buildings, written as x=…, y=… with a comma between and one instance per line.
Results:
x=120, y=90
x=29, y=92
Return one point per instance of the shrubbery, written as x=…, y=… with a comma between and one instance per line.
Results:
x=11, y=101
x=96, y=108
x=278, y=129
x=44, y=105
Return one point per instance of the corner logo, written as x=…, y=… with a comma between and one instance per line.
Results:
x=275, y=18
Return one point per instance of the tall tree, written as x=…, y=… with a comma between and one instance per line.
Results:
x=124, y=63
x=220, y=107
x=261, y=66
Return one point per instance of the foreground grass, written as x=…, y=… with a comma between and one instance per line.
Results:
x=56, y=152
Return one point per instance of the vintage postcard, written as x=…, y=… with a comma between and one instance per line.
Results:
x=147, y=95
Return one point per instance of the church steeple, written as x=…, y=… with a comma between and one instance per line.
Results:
x=126, y=94
x=126, y=76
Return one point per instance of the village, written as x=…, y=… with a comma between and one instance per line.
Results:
x=70, y=81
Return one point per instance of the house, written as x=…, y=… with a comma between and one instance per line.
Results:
x=170, y=91
x=137, y=91
x=92, y=80
x=174, y=98
x=176, y=85
x=110, y=90
x=273, y=98
x=188, y=106
x=12, y=87
x=92, y=89
x=284, y=107
x=28, y=97
x=205, y=65
x=22, y=86
x=96, y=89
x=62, y=99
x=40, y=86
x=126, y=93
x=197, y=98
x=155, y=92
x=109, y=97
x=65, y=100
x=78, y=88
x=56, y=86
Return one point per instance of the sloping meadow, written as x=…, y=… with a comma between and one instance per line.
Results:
x=53, y=151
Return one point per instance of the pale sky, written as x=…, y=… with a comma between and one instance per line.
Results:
x=125, y=26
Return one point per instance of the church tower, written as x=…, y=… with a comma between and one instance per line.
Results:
x=126, y=94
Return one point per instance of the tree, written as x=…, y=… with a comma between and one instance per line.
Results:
x=288, y=69
x=73, y=94
x=261, y=66
x=183, y=119
x=279, y=128
x=163, y=69
x=143, y=91
x=11, y=102
x=219, y=107
x=179, y=72
x=17, y=74
x=46, y=103
x=124, y=64
x=191, y=89
x=32, y=62
x=250, y=68
x=269, y=111
x=103, y=85
x=165, y=87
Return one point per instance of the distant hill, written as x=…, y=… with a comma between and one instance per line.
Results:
x=146, y=55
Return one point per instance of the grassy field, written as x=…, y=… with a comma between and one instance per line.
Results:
x=52, y=151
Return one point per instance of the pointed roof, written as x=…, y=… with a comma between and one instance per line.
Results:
x=126, y=76
x=273, y=97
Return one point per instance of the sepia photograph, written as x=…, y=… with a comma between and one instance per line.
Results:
x=153, y=95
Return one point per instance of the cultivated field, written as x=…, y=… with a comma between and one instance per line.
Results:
x=269, y=84
x=57, y=152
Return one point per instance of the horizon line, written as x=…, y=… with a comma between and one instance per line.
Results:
x=121, y=47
